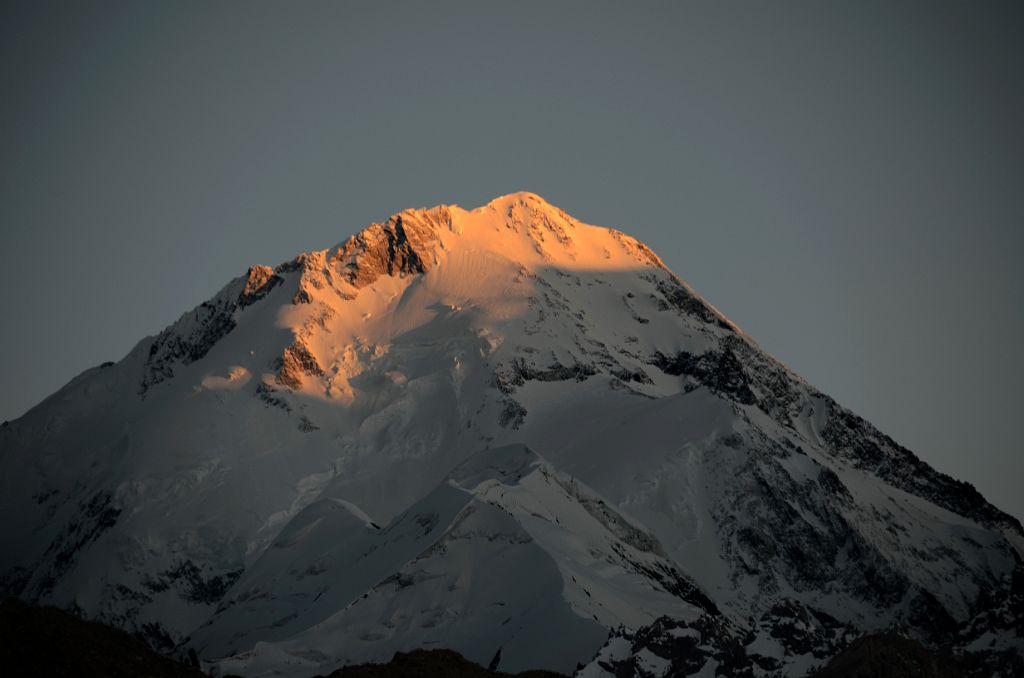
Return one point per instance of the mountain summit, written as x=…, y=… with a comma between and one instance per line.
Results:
x=500, y=431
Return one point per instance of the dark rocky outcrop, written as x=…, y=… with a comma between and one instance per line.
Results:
x=520, y=371
x=199, y=330
x=512, y=415
x=676, y=296
x=720, y=371
x=188, y=340
x=193, y=584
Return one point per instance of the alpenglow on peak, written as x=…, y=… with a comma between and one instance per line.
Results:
x=501, y=431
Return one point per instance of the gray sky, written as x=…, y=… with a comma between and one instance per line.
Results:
x=842, y=180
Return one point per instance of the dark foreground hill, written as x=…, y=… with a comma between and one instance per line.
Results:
x=430, y=664
x=49, y=643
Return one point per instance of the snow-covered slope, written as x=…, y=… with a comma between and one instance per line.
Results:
x=490, y=429
x=501, y=556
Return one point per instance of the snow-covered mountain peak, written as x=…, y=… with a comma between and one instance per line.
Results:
x=495, y=270
x=504, y=202
x=520, y=227
x=467, y=427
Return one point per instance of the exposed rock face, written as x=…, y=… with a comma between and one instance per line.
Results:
x=258, y=283
x=719, y=371
x=790, y=639
x=674, y=294
x=199, y=330
x=402, y=246
x=711, y=645
x=191, y=339
x=296, y=362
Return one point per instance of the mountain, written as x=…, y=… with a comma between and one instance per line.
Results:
x=499, y=431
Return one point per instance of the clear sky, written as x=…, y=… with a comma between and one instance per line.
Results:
x=845, y=181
